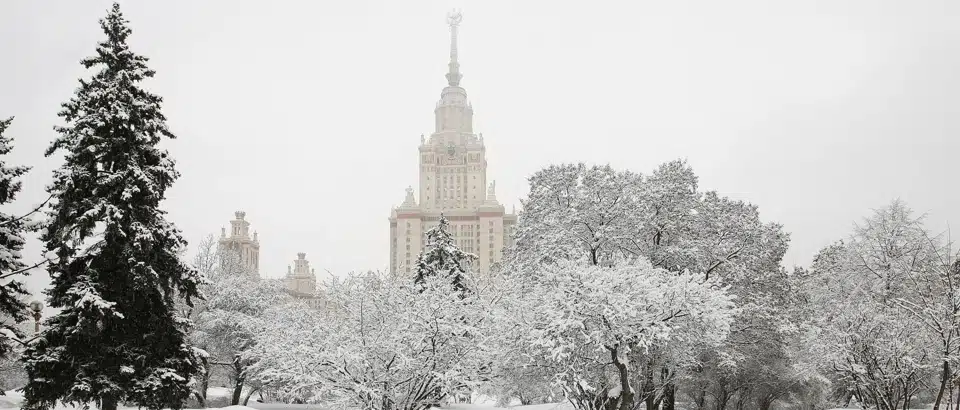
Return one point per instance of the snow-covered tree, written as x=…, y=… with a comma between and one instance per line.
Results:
x=12, y=229
x=226, y=321
x=116, y=271
x=574, y=210
x=442, y=257
x=585, y=321
x=516, y=372
x=383, y=343
x=885, y=309
x=603, y=214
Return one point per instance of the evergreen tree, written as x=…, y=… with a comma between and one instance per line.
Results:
x=115, y=267
x=12, y=229
x=443, y=257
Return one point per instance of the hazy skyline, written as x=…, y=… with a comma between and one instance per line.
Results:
x=307, y=115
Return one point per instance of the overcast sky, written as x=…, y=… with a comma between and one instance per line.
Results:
x=307, y=114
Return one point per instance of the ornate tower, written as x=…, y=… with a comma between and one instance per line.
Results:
x=241, y=245
x=453, y=181
x=301, y=280
x=453, y=160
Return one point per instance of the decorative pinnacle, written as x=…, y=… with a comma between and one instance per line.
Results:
x=453, y=75
x=454, y=18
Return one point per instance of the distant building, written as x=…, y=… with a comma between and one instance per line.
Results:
x=301, y=281
x=241, y=244
x=453, y=182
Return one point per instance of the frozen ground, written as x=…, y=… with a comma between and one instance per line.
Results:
x=13, y=399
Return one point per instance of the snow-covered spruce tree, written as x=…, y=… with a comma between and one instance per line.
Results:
x=12, y=229
x=443, y=258
x=116, y=271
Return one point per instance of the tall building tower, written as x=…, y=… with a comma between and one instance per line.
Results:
x=239, y=243
x=301, y=279
x=301, y=282
x=453, y=182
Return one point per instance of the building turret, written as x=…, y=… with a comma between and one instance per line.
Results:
x=238, y=244
x=301, y=280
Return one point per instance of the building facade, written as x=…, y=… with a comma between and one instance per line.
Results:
x=240, y=243
x=453, y=183
x=301, y=282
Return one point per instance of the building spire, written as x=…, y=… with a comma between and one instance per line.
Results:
x=453, y=75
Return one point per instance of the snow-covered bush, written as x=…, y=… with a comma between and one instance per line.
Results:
x=383, y=342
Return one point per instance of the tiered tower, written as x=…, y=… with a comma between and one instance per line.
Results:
x=301, y=279
x=241, y=244
x=301, y=282
x=453, y=182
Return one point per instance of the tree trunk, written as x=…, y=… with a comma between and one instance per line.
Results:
x=108, y=403
x=766, y=402
x=246, y=399
x=722, y=397
x=649, y=396
x=202, y=401
x=669, y=397
x=201, y=393
x=742, y=400
x=943, y=384
x=237, y=392
x=238, y=380
x=956, y=403
x=626, y=397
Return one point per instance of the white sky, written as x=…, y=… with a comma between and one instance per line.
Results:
x=307, y=114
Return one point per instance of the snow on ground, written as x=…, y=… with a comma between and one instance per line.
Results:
x=553, y=406
x=13, y=399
